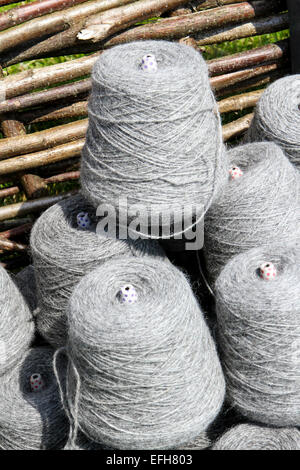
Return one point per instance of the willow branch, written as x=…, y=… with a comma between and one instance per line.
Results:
x=8, y=224
x=28, y=207
x=35, y=99
x=239, y=102
x=43, y=140
x=268, y=25
x=29, y=80
x=9, y=191
x=202, y=4
x=175, y=28
x=27, y=12
x=71, y=175
x=34, y=160
x=66, y=42
x=259, y=55
x=54, y=22
x=9, y=245
x=255, y=82
x=53, y=113
x=109, y=22
x=237, y=127
x=223, y=81
x=16, y=231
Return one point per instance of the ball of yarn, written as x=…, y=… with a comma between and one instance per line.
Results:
x=143, y=375
x=28, y=420
x=62, y=253
x=153, y=139
x=258, y=208
x=253, y=437
x=16, y=323
x=83, y=443
x=277, y=117
x=259, y=334
x=25, y=280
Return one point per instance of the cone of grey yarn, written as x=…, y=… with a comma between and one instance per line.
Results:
x=254, y=437
x=260, y=207
x=25, y=280
x=29, y=420
x=259, y=334
x=154, y=139
x=277, y=117
x=16, y=323
x=144, y=375
x=63, y=253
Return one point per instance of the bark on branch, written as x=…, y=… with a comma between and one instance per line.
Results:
x=214, y=3
x=34, y=160
x=54, y=22
x=52, y=113
x=240, y=102
x=175, y=28
x=81, y=87
x=66, y=42
x=223, y=81
x=27, y=12
x=105, y=24
x=16, y=231
x=9, y=245
x=29, y=80
x=259, y=55
x=28, y=207
x=268, y=25
x=237, y=127
x=43, y=140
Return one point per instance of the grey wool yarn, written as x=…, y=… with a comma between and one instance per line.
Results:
x=144, y=375
x=255, y=437
x=62, y=253
x=83, y=443
x=16, y=323
x=147, y=141
x=277, y=117
x=25, y=280
x=259, y=334
x=260, y=207
x=32, y=420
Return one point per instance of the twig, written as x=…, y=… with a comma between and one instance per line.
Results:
x=9, y=245
x=66, y=42
x=71, y=175
x=202, y=4
x=29, y=80
x=32, y=10
x=268, y=25
x=54, y=22
x=174, y=28
x=16, y=231
x=43, y=140
x=223, y=81
x=239, y=102
x=34, y=160
x=237, y=127
x=53, y=113
x=255, y=82
x=8, y=224
x=105, y=24
x=259, y=55
x=28, y=207
x=9, y=191
x=35, y=99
